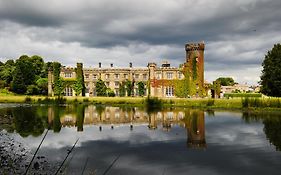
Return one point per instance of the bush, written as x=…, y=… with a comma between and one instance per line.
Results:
x=110, y=93
x=32, y=90
x=210, y=102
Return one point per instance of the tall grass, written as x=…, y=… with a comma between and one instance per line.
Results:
x=242, y=95
x=261, y=102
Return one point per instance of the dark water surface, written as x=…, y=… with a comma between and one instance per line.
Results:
x=126, y=140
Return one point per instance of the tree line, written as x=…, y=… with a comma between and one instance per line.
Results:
x=25, y=75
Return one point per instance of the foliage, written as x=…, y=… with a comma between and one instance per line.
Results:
x=79, y=86
x=6, y=72
x=129, y=88
x=226, y=81
x=217, y=87
x=232, y=95
x=184, y=88
x=261, y=102
x=19, y=74
x=58, y=81
x=18, y=85
x=32, y=90
x=194, y=66
x=122, y=89
x=141, y=88
x=271, y=73
x=110, y=92
x=101, y=88
x=42, y=84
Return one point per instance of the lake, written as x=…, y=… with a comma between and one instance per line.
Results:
x=131, y=140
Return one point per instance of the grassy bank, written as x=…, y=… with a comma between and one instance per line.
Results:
x=233, y=103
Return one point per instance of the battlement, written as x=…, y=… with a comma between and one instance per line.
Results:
x=195, y=46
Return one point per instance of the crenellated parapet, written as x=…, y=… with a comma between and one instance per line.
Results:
x=195, y=46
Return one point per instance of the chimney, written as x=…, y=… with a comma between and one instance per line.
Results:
x=131, y=64
x=99, y=64
x=111, y=65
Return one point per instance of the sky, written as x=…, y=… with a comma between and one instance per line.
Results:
x=237, y=34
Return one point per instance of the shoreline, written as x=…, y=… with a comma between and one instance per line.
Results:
x=252, y=104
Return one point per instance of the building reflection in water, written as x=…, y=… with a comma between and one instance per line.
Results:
x=78, y=116
x=195, y=126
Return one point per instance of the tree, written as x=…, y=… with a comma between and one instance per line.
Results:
x=141, y=88
x=6, y=72
x=18, y=85
x=226, y=81
x=100, y=88
x=42, y=84
x=129, y=87
x=271, y=73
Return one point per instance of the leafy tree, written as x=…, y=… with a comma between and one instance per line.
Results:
x=37, y=63
x=6, y=72
x=141, y=88
x=271, y=73
x=32, y=90
x=110, y=92
x=226, y=81
x=18, y=85
x=100, y=88
x=42, y=84
x=129, y=88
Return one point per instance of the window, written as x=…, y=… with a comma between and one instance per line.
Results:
x=169, y=91
x=144, y=76
x=95, y=76
x=158, y=75
x=180, y=75
x=136, y=76
x=116, y=83
x=169, y=75
x=86, y=84
x=86, y=76
x=107, y=76
x=68, y=91
x=68, y=75
x=125, y=76
x=116, y=76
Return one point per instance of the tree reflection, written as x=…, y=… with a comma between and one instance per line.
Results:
x=27, y=122
x=272, y=125
x=272, y=129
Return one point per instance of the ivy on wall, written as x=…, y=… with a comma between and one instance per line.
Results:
x=129, y=88
x=79, y=86
x=58, y=81
x=122, y=89
x=194, y=66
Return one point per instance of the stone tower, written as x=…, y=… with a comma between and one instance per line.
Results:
x=195, y=63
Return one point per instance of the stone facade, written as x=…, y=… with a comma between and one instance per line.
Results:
x=158, y=79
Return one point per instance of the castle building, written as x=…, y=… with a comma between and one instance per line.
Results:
x=158, y=80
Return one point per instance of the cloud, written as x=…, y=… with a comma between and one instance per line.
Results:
x=237, y=34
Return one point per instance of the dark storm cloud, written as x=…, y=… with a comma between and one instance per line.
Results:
x=247, y=28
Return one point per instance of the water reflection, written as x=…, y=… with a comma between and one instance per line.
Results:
x=33, y=120
x=272, y=125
